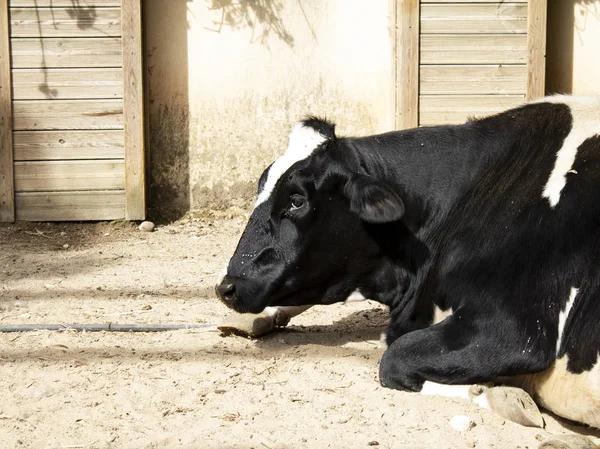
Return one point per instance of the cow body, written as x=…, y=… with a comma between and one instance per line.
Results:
x=495, y=221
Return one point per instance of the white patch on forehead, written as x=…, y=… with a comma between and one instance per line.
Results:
x=585, y=112
x=564, y=314
x=303, y=141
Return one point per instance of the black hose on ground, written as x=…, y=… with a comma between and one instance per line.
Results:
x=112, y=327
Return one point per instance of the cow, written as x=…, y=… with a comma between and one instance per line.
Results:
x=495, y=223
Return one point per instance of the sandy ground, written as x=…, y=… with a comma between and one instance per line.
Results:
x=311, y=385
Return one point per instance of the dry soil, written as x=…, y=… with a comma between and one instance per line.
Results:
x=311, y=385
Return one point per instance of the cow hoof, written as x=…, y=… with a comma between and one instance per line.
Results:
x=252, y=325
x=511, y=403
x=568, y=442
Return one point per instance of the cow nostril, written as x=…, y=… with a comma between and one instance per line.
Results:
x=226, y=291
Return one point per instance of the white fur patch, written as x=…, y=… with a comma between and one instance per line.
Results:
x=586, y=123
x=303, y=141
x=482, y=401
x=383, y=340
x=221, y=275
x=570, y=395
x=440, y=315
x=355, y=296
x=564, y=314
x=449, y=391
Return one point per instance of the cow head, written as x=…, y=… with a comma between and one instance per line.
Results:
x=309, y=239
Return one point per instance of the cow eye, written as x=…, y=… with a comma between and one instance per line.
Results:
x=296, y=201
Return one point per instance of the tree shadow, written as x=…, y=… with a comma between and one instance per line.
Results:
x=84, y=15
x=85, y=18
x=263, y=17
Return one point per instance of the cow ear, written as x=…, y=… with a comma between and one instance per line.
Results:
x=372, y=200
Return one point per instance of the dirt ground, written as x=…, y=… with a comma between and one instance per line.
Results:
x=311, y=385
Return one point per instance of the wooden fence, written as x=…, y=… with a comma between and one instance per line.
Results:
x=461, y=58
x=72, y=110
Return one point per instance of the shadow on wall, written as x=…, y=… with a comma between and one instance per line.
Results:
x=262, y=16
x=167, y=105
x=559, y=47
x=85, y=17
x=563, y=27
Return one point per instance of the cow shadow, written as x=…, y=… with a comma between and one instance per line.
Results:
x=361, y=326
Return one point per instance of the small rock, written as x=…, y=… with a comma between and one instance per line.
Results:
x=63, y=233
x=146, y=226
x=147, y=307
x=462, y=423
x=66, y=246
x=373, y=443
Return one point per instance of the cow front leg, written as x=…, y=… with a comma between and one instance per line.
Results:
x=258, y=324
x=462, y=349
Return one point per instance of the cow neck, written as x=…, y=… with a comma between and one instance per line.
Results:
x=430, y=167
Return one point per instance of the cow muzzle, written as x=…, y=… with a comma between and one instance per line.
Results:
x=226, y=291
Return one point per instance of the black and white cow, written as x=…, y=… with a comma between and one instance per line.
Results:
x=496, y=221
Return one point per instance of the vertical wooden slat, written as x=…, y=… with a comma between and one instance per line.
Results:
x=536, y=48
x=133, y=110
x=7, y=194
x=407, y=63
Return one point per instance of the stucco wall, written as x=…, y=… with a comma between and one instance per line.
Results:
x=573, y=50
x=227, y=80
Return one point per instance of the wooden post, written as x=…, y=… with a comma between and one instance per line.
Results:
x=407, y=64
x=536, y=48
x=133, y=109
x=7, y=191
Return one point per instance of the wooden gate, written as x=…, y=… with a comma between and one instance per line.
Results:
x=461, y=58
x=71, y=110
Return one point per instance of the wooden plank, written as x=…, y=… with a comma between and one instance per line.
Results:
x=69, y=175
x=470, y=1
x=65, y=206
x=407, y=62
x=473, y=79
x=473, y=49
x=64, y=145
x=133, y=100
x=536, y=48
x=62, y=84
x=66, y=52
x=455, y=109
x=81, y=4
x=65, y=22
x=67, y=114
x=474, y=18
x=7, y=209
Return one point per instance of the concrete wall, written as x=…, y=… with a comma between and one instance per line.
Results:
x=228, y=79
x=573, y=47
